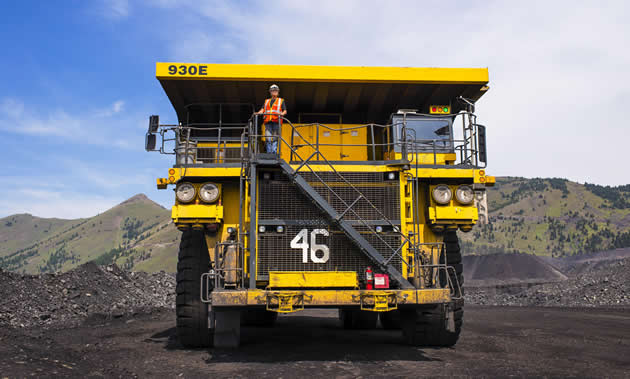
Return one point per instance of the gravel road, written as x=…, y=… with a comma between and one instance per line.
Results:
x=496, y=341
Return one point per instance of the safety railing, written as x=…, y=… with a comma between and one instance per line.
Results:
x=220, y=142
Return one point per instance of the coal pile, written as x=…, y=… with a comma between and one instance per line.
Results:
x=602, y=283
x=505, y=269
x=67, y=299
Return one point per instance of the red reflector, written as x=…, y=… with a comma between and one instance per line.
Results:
x=381, y=281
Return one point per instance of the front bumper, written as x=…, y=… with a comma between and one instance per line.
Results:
x=298, y=299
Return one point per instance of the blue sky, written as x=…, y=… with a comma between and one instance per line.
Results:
x=78, y=81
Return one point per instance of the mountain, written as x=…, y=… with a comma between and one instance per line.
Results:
x=137, y=233
x=552, y=217
x=546, y=217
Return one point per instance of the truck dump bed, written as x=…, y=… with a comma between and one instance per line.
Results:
x=357, y=94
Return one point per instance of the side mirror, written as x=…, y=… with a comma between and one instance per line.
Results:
x=481, y=143
x=154, y=123
x=149, y=142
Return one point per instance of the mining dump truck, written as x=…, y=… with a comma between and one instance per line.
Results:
x=376, y=169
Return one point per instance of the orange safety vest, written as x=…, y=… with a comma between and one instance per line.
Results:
x=276, y=109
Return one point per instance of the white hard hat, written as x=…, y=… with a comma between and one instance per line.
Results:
x=274, y=87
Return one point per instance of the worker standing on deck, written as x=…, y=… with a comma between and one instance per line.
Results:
x=273, y=108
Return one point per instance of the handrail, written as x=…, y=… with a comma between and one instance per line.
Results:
x=466, y=149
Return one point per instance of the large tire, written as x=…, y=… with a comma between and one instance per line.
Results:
x=192, y=313
x=390, y=320
x=358, y=319
x=258, y=317
x=430, y=325
x=427, y=326
x=454, y=258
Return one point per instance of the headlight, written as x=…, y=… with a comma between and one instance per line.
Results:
x=442, y=194
x=209, y=193
x=465, y=195
x=185, y=192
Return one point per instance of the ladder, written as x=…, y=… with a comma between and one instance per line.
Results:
x=335, y=218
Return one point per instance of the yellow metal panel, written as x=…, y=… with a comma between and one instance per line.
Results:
x=279, y=73
x=445, y=173
x=349, y=143
x=352, y=139
x=206, y=172
x=197, y=211
x=456, y=212
x=311, y=279
x=314, y=298
x=422, y=172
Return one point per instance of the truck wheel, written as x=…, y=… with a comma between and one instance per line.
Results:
x=438, y=325
x=192, y=314
x=454, y=258
x=390, y=320
x=258, y=317
x=357, y=319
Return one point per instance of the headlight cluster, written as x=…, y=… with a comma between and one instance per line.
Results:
x=442, y=194
x=185, y=192
x=464, y=195
x=208, y=192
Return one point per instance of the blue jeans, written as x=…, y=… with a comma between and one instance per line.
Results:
x=272, y=130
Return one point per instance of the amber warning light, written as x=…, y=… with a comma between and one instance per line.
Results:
x=440, y=109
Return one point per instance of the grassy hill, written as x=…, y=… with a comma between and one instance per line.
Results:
x=553, y=217
x=137, y=233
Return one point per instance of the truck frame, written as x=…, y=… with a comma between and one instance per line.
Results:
x=358, y=210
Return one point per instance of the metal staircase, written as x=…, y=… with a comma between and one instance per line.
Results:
x=335, y=218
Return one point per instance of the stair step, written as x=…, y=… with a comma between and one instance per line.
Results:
x=345, y=226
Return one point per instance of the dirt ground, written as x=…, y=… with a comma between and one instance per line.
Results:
x=496, y=341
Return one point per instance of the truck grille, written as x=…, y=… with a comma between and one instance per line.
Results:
x=281, y=203
x=276, y=193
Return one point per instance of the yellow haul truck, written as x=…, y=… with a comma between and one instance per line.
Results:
x=376, y=170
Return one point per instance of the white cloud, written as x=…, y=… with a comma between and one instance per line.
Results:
x=115, y=9
x=105, y=179
x=558, y=70
x=93, y=127
x=12, y=107
x=116, y=107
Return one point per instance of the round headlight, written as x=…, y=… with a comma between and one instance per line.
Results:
x=209, y=193
x=465, y=195
x=442, y=194
x=185, y=192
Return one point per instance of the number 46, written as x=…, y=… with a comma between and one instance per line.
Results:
x=301, y=242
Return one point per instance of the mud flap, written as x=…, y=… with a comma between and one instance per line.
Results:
x=450, y=319
x=227, y=330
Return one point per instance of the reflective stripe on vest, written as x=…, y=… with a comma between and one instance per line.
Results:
x=276, y=109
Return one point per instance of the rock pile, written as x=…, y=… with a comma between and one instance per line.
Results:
x=504, y=269
x=66, y=299
x=591, y=284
